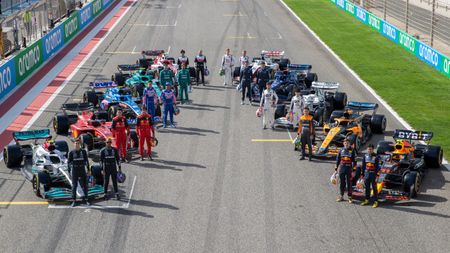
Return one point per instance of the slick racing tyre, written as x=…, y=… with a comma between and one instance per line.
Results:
x=90, y=97
x=384, y=147
x=280, y=111
x=61, y=124
x=134, y=139
x=87, y=141
x=335, y=114
x=97, y=173
x=433, y=156
x=12, y=156
x=119, y=79
x=236, y=72
x=378, y=123
x=411, y=184
x=62, y=147
x=39, y=180
x=112, y=110
x=339, y=100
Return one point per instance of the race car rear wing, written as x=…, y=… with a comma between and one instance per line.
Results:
x=272, y=53
x=412, y=135
x=77, y=107
x=325, y=85
x=362, y=106
x=152, y=52
x=99, y=85
x=32, y=135
x=128, y=67
x=299, y=67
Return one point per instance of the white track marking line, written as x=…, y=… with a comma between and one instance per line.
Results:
x=131, y=193
x=168, y=50
x=123, y=206
x=356, y=76
x=289, y=132
x=75, y=71
x=134, y=48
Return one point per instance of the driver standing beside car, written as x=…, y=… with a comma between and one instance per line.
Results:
x=109, y=160
x=120, y=131
x=150, y=100
x=183, y=59
x=305, y=131
x=370, y=168
x=296, y=108
x=345, y=162
x=262, y=77
x=268, y=101
x=78, y=163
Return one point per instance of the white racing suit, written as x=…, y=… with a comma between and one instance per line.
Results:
x=227, y=66
x=268, y=102
x=243, y=60
x=296, y=109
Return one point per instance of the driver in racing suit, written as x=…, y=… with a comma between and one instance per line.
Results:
x=183, y=59
x=262, y=77
x=146, y=132
x=306, y=131
x=78, y=163
x=244, y=60
x=200, y=65
x=227, y=66
x=169, y=101
x=184, y=80
x=150, y=100
x=166, y=75
x=268, y=101
x=109, y=160
x=370, y=168
x=296, y=108
x=345, y=162
x=120, y=131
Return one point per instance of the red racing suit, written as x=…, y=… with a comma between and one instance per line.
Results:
x=120, y=130
x=146, y=132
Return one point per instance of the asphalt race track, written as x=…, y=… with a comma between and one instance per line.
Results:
x=210, y=188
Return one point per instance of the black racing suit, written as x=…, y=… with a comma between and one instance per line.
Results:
x=200, y=63
x=109, y=160
x=246, y=80
x=370, y=168
x=346, y=159
x=262, y=77
x=78, y=163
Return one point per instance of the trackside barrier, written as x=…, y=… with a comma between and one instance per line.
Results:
x=422, y=51
x=16, y=70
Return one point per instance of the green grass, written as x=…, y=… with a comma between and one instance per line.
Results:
x=419, y=93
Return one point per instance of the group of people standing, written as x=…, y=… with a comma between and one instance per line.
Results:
x=301, y=118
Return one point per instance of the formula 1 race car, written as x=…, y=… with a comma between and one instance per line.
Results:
x=352, y=124
x=321, y=100
x=45, y=166
x=138, y=80
x=272, y=59
x=113, y=98
x=404, y=164
x=91, y=127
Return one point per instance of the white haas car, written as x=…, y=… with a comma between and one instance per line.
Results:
x=323, y=98
x=273, y=59
x=160, y=58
